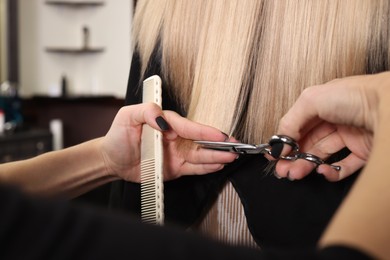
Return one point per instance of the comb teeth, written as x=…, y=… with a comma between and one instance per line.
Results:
x=151, y=194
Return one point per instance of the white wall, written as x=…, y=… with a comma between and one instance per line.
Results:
x=42, y=25
x=3, y=42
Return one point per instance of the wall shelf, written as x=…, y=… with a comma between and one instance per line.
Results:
x=74, y=3
x=70, y=50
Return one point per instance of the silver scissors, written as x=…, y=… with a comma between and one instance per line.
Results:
x=240, y=148
x=243, y=148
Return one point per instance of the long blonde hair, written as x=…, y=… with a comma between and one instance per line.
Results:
x=240, y=64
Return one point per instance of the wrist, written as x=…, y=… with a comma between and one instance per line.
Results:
x=106, y=161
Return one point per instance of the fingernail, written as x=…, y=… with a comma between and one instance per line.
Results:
x=277, y=175
x=289, y=177
x=276, y=150
x=164, y=126
x=226, y=136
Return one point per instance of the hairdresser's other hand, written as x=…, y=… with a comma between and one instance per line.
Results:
x=326, y=118
x=120, y=147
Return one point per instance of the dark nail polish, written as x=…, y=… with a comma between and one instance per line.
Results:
x=226, y=136
x=276, y=150
x=164, y=126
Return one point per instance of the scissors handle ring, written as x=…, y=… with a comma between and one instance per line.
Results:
x=285, y=140
x=310, y=157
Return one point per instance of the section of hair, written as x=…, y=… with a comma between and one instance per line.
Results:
x=226, y=221
x=239, y=65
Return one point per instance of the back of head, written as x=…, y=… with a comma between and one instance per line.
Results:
x=240, y=64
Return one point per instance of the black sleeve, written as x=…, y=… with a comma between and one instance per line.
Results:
x=42, y=229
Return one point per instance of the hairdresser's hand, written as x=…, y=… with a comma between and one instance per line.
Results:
x=121, y=146
x=329, y=117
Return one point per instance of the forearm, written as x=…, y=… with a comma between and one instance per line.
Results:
x=363, y=220
x=68, y=172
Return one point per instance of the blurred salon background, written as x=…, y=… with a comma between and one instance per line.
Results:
x=64, y=67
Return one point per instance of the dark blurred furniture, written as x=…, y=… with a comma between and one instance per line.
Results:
x=83, y=118
x=24, y=144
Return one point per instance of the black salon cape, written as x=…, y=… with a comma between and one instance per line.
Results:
x=36, y=229
x=280, y=213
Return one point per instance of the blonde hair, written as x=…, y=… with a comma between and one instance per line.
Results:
x=240, y=64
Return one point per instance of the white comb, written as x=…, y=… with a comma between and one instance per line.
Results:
x=152, y=186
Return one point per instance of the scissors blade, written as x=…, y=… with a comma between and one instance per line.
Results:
x=240, y=148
